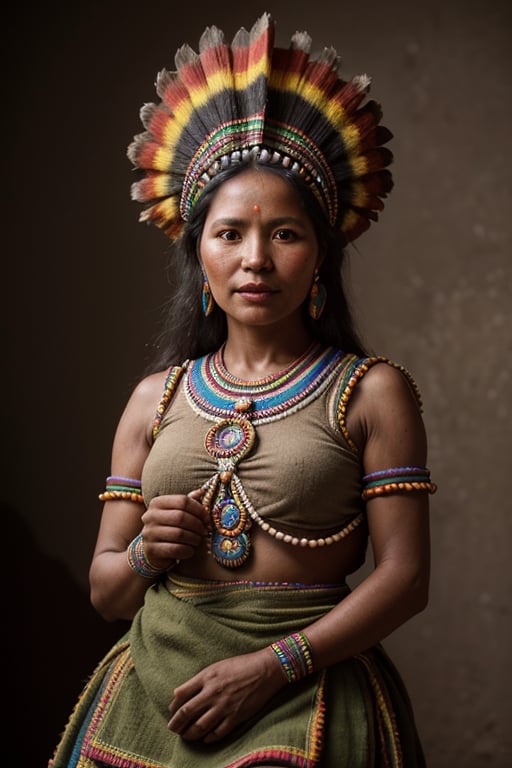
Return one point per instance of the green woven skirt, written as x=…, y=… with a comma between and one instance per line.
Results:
x=356, y=714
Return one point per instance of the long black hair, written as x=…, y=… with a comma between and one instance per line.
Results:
x=187, y=334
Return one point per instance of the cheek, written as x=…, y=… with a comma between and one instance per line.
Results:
x=302, y=270
x=208, y=256
x=216, y=268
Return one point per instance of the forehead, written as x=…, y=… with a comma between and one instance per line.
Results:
x=256, y=187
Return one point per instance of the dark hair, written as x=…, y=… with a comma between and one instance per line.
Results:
x=187, y=334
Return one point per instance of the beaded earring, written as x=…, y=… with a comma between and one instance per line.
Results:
x=317, y=298
x=206, y=297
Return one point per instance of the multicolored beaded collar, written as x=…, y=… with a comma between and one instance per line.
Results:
x=236, y=406
x=214, y=393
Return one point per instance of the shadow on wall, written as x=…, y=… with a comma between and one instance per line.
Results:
x=54, y=639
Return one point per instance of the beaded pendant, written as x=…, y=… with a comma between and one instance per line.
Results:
x=236, y=406
x=229, y=441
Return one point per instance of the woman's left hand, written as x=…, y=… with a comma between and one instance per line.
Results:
x=224, y=694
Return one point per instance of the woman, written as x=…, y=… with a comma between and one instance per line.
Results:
x=233, y=518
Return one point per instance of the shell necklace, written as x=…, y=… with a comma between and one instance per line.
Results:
x=236, y=406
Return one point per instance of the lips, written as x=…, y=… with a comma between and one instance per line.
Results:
x=255, y=288
x=256, y=292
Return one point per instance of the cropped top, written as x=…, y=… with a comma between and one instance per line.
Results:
x=297, y=467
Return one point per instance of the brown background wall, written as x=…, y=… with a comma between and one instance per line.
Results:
x=83, y=285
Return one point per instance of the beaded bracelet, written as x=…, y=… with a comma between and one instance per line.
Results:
x=139, y=562
x=118, y=488
x=294, y=654
x=397, y=480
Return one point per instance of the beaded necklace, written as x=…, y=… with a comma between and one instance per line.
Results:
x=236, y=406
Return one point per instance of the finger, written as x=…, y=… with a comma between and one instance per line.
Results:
x=197, y=496
x=183, y=695
x=197, y=493
x=203, y=728
x=171, y=542
x=187, y=720
x=189, y=503
x=175, y=501
x=162, y=539
x=183, y=528
x=161, y=525
x=216, y=733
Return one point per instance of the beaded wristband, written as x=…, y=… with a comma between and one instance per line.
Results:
x=118, y=488
x=294, y=654
x=138, y=560
x=396, y=480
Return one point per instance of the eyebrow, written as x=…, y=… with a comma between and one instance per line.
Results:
x=277, y=222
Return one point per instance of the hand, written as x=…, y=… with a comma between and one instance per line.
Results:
x=225, y=694
x=173, y=527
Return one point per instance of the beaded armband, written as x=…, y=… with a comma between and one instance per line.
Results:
x=397, y=480
x=138, y=561
x=294, y=654
x=118, y=488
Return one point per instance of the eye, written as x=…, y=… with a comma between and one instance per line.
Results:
x=285, y=234
x=228, y=234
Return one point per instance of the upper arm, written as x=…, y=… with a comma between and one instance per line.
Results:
x=389, y=420
x=132, y=440
x=386, y=418
x=120, y=520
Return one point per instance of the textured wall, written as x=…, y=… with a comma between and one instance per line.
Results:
x=432, y=286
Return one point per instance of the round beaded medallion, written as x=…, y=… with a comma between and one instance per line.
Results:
x=230, y=438
x=228, y=517
x=230, y=551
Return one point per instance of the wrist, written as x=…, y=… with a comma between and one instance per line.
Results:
x=294, y=656
x=139, y=561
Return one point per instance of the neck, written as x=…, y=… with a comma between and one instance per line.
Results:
x=257, y=360
x=252, y=352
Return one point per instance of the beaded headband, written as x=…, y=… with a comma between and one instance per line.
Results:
x=228, y=105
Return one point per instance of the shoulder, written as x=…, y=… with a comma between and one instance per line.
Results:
x=141, y=410
x=383, y=378
x=377, y=392
x=149, y=390
x=132, y=441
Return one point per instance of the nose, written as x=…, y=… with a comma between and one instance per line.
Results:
x=256, y=255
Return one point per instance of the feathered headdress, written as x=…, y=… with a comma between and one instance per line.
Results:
x=229, y=104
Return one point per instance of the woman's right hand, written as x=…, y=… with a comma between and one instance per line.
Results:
x=174, y=526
